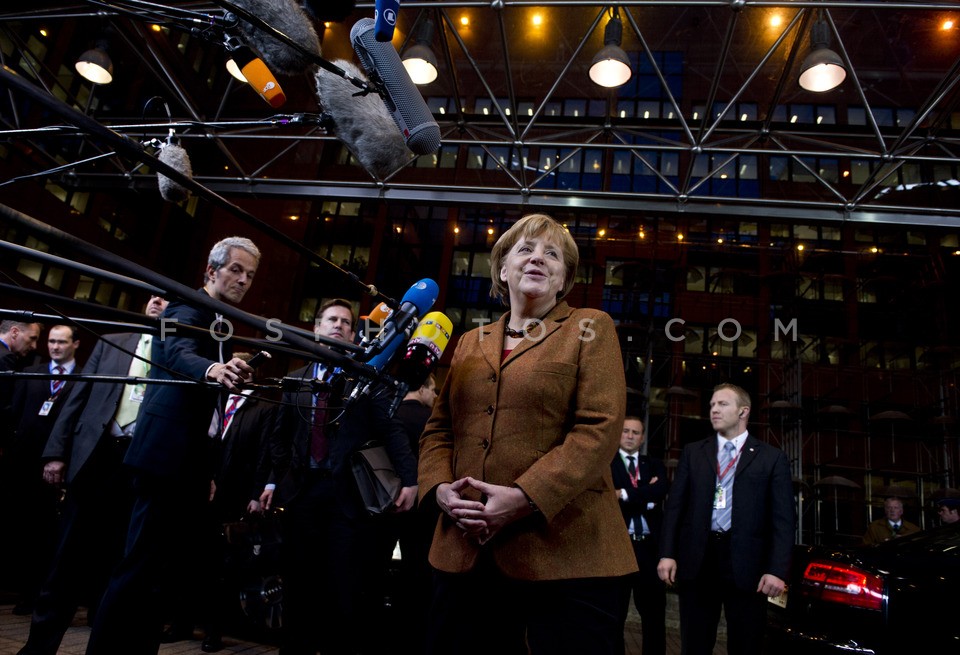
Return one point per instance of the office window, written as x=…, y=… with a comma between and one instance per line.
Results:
x=826, y=115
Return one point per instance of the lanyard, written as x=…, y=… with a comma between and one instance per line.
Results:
x=730, y=465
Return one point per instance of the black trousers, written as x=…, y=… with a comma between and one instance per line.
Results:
x=329, y=558
x=158, y=559
x=649, y=597
x=96, y=512
x=483, y=611
x=702, y=599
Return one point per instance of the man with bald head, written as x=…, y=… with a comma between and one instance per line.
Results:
x=17, y=341
x=37, y=402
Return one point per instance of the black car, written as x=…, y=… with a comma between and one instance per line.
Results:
x=902, y=596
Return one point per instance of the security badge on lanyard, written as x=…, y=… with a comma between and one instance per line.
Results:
x=720, y=493
x=56, y=386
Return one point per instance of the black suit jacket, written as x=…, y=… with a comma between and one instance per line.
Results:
x=635, y=506
x=761, y=532
x=368, y=418
x=8, y=362
x=89, y=409
x=171, y=434
x=32, y=430
x=243, y=456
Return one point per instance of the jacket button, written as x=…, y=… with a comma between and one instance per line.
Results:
x=490, y=409
x=485, y=444
x=493, y=377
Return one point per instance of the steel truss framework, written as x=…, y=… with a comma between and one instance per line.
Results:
x=894, y=52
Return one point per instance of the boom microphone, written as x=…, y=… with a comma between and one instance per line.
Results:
x=362, y=123
x=424, y=349
x=175, y=156
x=288, y=17
x=404, y=102
x=386, y=19
x=258, y=76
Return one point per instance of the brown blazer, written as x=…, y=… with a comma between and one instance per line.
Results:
x=548, y=420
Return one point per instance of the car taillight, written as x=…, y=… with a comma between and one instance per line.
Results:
x=838, y=583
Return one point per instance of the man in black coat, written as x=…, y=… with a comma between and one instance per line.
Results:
x=728, y=530
x=17, y=341
x=36, y=405
x=641, y=483
x=329, y=540
x=85, y=454
x=170, y=457
x=241, y=467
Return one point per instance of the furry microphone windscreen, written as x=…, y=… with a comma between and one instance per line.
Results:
x=363, y=123
x=288, y=17
x=175, y=157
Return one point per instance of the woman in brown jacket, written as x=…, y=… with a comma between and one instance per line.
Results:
x=530, y=549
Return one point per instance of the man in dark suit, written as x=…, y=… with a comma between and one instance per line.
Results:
x=17, y=340
x=329, y=541
x=728, y=530
x=170, y=457
x=36, y=405
x=85, y=453
x=641, y=484
x=241, y=470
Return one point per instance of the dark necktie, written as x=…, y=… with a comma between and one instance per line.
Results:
x=896, y=528
x=632, y=468
x=56, y=385
x=318, y=433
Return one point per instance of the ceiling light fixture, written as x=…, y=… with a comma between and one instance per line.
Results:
x=95, y=65
x=611, y=67
x=822, y=70
x=418, y=59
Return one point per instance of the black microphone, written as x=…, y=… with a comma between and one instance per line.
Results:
x=404, y=102
x=176, y=157
x=362, y=122
x=386, y=19
x=288, y=17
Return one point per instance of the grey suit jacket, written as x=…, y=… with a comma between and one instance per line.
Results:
x=91, y=406
x=761, y=533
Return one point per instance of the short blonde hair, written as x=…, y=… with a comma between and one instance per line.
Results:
x=743, y=398
x=533, y=225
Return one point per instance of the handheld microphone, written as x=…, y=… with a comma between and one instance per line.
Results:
x=385, y=17
x=371, y=323
x=288, y=17
x=404, y=102
x=259, y=77
x=424, y=349
x=362, y=123
x=416, y=302
x=175, y=156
